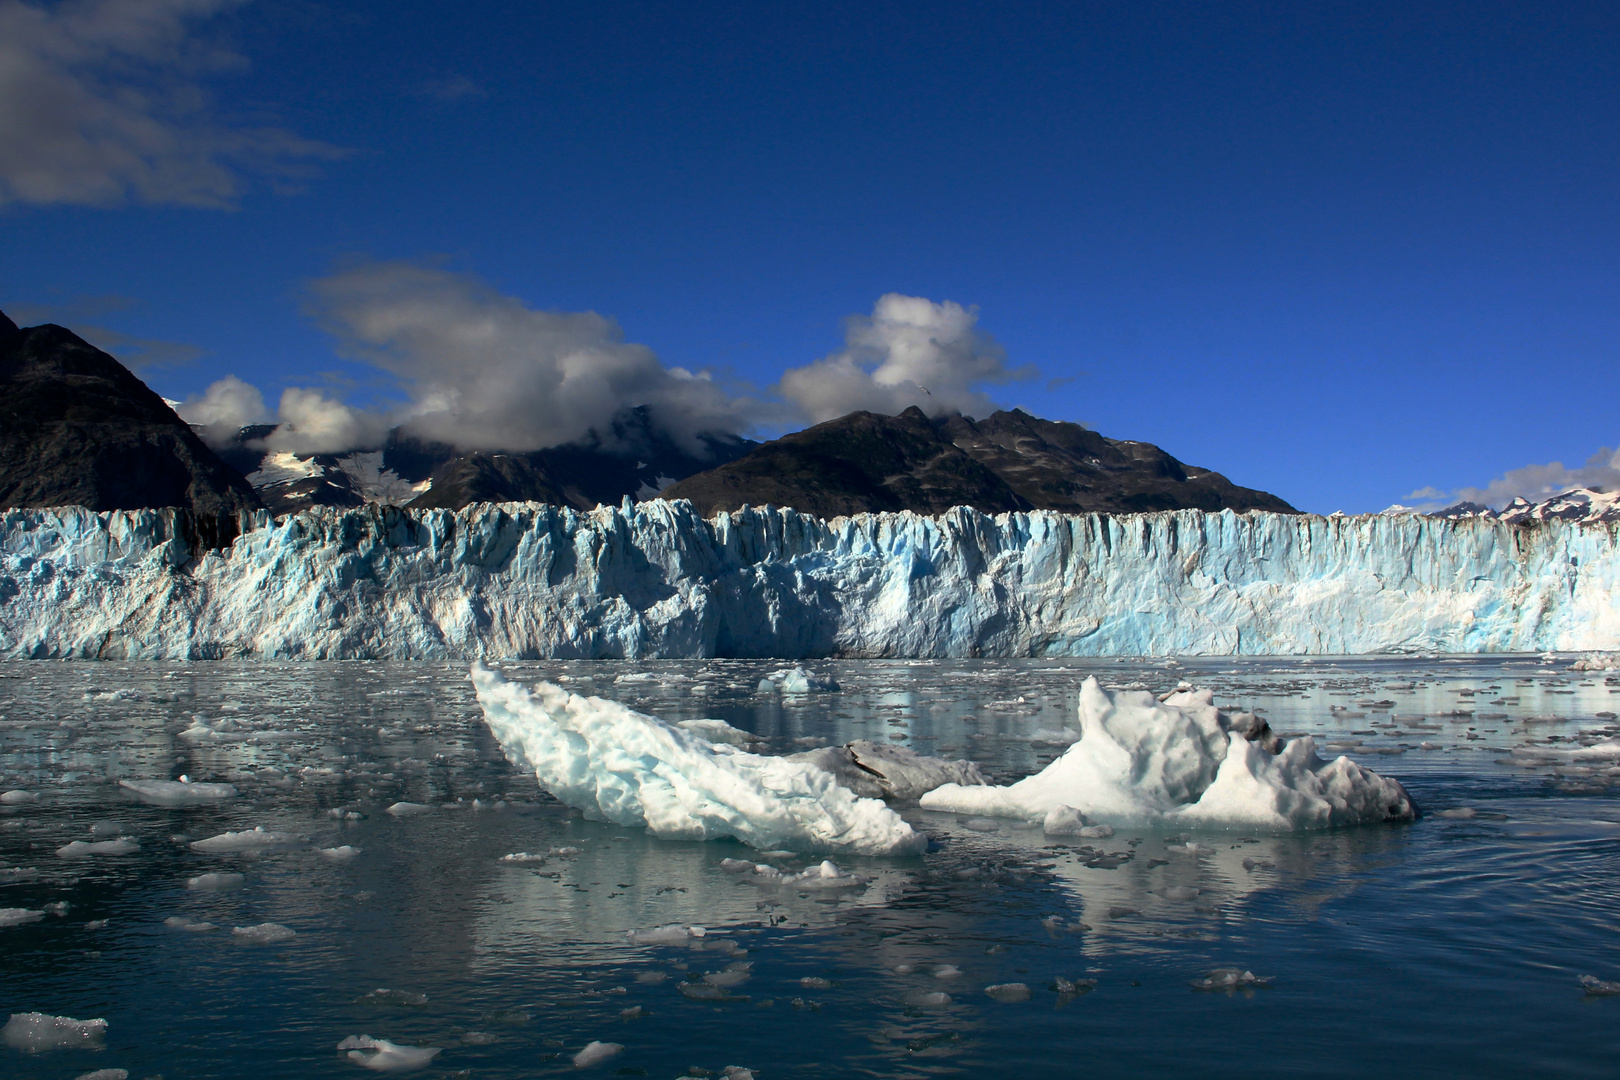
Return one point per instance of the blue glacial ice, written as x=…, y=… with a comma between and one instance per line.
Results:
x=631, y=769
x=657, y=580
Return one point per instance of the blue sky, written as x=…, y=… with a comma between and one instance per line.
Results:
x=1338, y=252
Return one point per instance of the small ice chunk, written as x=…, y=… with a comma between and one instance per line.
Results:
x=1230, y=979
x=34, y=1032
x=180, y=792
x=84, y=849
x=257, y=838
x=96, y=924
x=106, y=828
x=407, y=809
x=947, y=971
x=729, y=979
x=800, y=680
x=1008, y=992
x=181, y=922
x=385, y=1056
x=215, y=882
x=17, y=797
x=652, y=978
x=384, y=996
x=523, y=857
x=595, y=1052
x=16, y=916
x=815, y=982
x=338, y=854
x=1073, y=986
x=1458, y=812
x=105, y=1074
x=262, y=934
x=1596, y=987
x=673, y=934
x=17, y=873
x=982, y=824
x=1180, y=892
x=928, y=999
x=59, y=909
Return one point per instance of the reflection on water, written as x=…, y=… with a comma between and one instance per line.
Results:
x=1454, y=942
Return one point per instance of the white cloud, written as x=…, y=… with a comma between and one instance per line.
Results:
x=103, y=102
x=225, y=407
x=909, y=351
x=312, y=423
x=1533, y=482
x=485, y=371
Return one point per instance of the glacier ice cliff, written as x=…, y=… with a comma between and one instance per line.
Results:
x=657, y=580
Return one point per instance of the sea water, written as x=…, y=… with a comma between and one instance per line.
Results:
x=422, y=893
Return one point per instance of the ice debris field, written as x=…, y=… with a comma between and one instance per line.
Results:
x=337, y=869
x=655, y=579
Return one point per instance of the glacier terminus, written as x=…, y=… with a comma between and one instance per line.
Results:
x=657, y=580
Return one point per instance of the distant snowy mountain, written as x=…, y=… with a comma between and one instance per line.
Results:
x=635, y=460
x=1587, y=505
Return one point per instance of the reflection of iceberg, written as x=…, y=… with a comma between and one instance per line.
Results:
x=632, y=769
x=1184, y=762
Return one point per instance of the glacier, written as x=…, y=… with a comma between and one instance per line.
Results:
x=657, y=580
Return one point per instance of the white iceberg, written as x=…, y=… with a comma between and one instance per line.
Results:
x=181, y=792
x=255, y=839
x=263, y=933
x=631, y=769
x=17, y=797
x=83, y=849
x=385, y=1056
x=1182, y=761
x=36, y=1032
x=799, y=680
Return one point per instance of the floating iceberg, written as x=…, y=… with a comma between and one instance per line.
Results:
x=1182, y=761
x=385, y=1056
x=37, y=1032
x=631, y=769
x=84, y=849
x=255, y=839
x=181, y=792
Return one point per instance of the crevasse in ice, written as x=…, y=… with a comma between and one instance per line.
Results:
x=658, y=580
x=631, y=769
x=1183, y=761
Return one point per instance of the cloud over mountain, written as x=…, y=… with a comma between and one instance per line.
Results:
x=1532, y=482
x=481, y=370
x=909, y=351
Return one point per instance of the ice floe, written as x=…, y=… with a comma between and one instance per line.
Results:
x=17, y=797
x=181, y=792
x=84, y=849
x=1184, y=761
x=16, y=916
x=595, y=1053
x=36, y=1032
x=263, y=933
x=215, y=882
x=635, y=770
x=256, y=839
x=799, y=680
x=384, y=1056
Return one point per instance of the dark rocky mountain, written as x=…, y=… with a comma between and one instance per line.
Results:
x=634, y=459
x=77, y=427
x=1007, y=461
x=1591, y=506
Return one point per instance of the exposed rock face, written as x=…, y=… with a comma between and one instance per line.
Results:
x=78, y=428
x=865, y=462
x=1590, y=505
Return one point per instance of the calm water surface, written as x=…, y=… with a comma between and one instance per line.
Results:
x=1448, y=947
